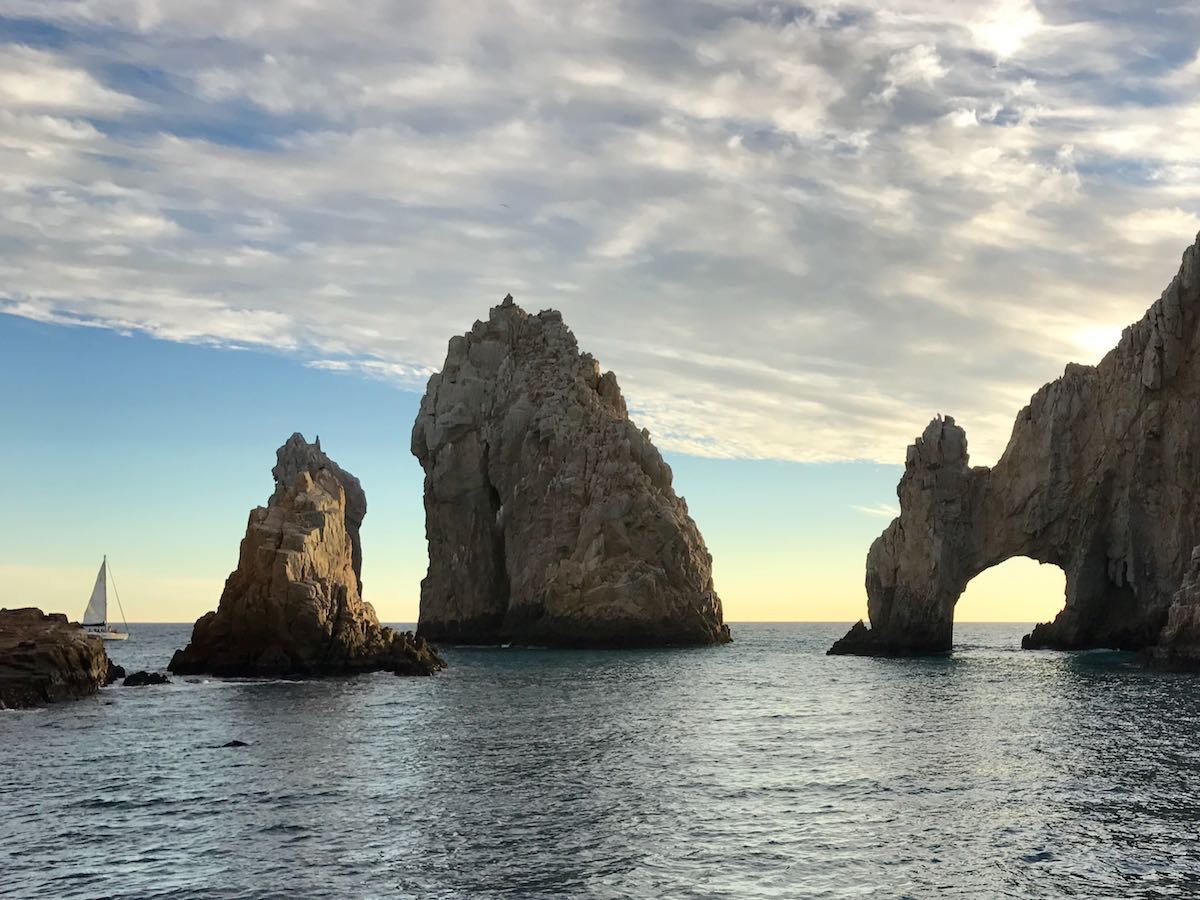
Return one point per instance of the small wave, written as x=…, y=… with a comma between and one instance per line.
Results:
x=110, y=803
x=1040, y=856
x=284, y=828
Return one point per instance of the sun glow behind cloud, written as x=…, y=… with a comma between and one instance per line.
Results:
x=1095, y=341
x=1006, y=26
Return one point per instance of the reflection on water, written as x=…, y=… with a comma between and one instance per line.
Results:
x=761, y=769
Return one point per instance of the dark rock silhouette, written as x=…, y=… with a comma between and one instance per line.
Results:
x=550, y=516
x=1098, y=478
x=292, y=607
x=143, y=679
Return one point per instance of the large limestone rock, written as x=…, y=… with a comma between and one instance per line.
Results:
x=550, y=516
x=45, y=659
x=292, y=606
x=1099, y=478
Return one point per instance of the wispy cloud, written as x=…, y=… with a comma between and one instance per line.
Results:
x=410, y=377
x=793, y=232
x=37, y=80
x=879, y=510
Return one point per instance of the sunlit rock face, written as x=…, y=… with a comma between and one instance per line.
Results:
x=550, y=516
x=298, y=455
x=292, y=606
x=1098, y=478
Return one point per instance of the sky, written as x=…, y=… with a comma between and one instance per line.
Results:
x=796, y=232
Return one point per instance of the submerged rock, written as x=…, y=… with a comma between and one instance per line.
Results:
x=292, y=607
x=550, y=516
x=857, y=640
x=144, y=679
x=1099, y=478
x=46, y=659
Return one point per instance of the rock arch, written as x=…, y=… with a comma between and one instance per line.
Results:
x=1100, y=477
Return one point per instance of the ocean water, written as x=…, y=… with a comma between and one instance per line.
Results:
x=763, y=769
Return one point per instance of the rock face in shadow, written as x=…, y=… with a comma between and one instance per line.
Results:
x=1178, y=644
x=292, y=607
x=46, y=659
x=550, y=516
x=1098, y=478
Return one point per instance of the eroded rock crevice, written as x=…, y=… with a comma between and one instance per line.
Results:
x=551, y=518
x=1098, y=478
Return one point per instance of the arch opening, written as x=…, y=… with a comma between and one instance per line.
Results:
x=1018, y=590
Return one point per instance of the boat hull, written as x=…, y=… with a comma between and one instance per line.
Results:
x=109, y=635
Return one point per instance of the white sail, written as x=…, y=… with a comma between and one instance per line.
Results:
x=97, y=608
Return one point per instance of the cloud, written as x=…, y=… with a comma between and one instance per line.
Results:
x=793, y=232
x=919, y=65
x=879, y=510
x=1006, y=26
x=411, y=377
x=32, y=79
x=1148, y=226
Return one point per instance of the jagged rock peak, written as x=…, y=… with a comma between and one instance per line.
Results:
x=296, y=456
x=292, y=606
x=1098, y=478
x=550, y=516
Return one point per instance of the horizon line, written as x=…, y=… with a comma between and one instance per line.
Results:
x=727, y=622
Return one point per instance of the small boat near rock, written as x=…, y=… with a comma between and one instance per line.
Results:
x=95, y=617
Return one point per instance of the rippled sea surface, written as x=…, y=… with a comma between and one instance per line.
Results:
x=761, y=769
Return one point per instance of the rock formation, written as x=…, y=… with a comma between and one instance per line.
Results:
x=550, y=516
x=45, y=659
x=1178, y=644
x=1099, y=478
x=145, y=679
x=298, y=455
x=292, y=606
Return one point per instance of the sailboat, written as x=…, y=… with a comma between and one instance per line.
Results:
x=95, y=617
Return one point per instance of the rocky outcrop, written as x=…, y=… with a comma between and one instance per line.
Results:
x=550, y=516
x=145, y=679
x=1098, y=478
x=46, y=659
x=292, y=607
